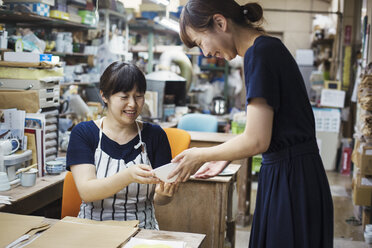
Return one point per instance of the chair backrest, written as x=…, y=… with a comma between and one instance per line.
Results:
x=179, y=140
x=70, y=197
x=198, y=122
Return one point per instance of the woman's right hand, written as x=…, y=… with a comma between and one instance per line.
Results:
x=142, y=173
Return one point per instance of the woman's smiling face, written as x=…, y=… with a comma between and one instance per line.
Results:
x=125, y=107
x=214, y=43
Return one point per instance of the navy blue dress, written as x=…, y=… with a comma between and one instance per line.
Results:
x=294, y=206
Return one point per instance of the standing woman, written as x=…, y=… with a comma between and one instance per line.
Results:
x=111, y=159
x=294, y=207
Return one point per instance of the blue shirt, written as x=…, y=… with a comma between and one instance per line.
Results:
x=272, y=73
x=84, y=141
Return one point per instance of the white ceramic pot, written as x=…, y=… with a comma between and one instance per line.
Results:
x=28, y=178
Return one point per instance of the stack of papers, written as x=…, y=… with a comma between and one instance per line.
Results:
x=145, y=243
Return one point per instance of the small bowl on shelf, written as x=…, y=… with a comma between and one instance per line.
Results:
x=54, y=167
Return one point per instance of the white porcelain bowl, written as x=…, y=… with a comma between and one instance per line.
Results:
x=54, y=167
x=163, y=172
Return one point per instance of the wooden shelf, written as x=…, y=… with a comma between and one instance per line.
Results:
x=113, y=14
x=76, y=83
x=194, y=53
x=42, y=65
x=70, y=54
x=156, y=49
x=322, y=42
x=146, y=25
x=30, y=19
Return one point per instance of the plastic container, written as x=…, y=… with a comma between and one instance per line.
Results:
x=256, y=163
x=237, y=128
x=149, y=14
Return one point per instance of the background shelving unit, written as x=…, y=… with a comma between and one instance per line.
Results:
x=225, y=69
x=30, y=19
x=149, y=27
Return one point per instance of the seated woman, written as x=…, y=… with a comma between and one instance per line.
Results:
x=112, y=159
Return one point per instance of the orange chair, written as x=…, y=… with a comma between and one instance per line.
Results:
x=70, y=197
x=179, y=140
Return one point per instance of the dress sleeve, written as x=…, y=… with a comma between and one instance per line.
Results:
x=161, y=150
x=262, y=80
x=80, y=147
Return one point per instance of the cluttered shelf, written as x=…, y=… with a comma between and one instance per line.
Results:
x=76, y=83
x=30, y=19
x=156, y=48
x=322, y=42
x=143, y=24
x=69, y=54
x=113, y=14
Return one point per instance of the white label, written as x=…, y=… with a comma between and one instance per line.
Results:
x=332, y=98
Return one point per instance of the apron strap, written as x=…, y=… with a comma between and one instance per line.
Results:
x=143, y=146
x=100, y=132
x=140, y=137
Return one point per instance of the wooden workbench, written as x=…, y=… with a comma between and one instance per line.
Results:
x=203, y=206
x=192, y=240
x=206, y=139
x=26, y=200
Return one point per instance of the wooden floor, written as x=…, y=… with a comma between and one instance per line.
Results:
x=347, y=233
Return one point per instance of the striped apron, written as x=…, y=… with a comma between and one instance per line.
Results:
x=134, y=202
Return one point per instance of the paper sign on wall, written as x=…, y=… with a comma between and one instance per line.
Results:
x=327, y=119
x=332, y=98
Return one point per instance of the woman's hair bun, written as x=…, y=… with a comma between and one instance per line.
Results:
x=253, y=12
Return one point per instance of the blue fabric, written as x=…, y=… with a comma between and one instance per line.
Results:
x=198, y=122
x=294, y=206
x=84, y=141
x=272, y=73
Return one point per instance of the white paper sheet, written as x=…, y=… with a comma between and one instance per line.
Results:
x=147, y=243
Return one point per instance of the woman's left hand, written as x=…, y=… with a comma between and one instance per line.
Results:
x=166, y=189
x=189, y=161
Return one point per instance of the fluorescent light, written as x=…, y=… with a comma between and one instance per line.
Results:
x=168, y=23
x=164, y=2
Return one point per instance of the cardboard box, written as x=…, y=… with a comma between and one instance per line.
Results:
x=362, y=194
x=27, y=100
x=26, y=57
x=41, y=9
x=362, y=157
x=30, y=73
x=59, y=15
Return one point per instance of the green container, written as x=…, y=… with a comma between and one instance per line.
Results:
x=87, y=17
x=237, y=128
x=256, y=163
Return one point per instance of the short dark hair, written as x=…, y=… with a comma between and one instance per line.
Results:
x=121, y=77
x=198, y=14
